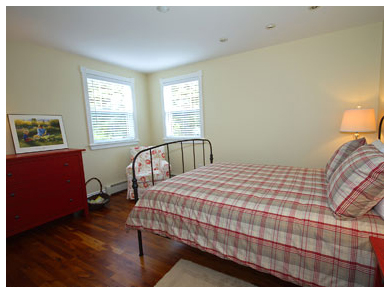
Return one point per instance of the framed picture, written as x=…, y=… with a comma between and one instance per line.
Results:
x=35, y=133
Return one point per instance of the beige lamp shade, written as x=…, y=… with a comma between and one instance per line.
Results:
x=358, y=120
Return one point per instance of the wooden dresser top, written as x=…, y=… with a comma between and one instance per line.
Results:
x=43, y=154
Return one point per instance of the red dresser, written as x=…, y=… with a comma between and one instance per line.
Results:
x=379, y=250
x=44, y=186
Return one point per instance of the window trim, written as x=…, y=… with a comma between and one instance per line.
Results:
x=180, y=79
x=85, y=72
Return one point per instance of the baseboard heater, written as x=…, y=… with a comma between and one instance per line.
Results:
x=116, y=187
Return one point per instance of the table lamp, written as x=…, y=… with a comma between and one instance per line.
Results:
x=358, y=120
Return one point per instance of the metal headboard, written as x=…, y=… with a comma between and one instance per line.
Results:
x=380, y=127
x=134, y=180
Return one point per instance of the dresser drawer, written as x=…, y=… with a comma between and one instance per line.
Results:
x=39, y=169
x=24, y=216
x=33, y=212
x=69, y=202
x=34, y=188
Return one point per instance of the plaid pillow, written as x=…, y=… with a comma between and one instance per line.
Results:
x=341, y=154
x=357, y=184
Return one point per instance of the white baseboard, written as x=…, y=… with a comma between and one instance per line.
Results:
x=116, y=187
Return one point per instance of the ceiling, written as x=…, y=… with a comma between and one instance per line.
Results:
x=146, y=40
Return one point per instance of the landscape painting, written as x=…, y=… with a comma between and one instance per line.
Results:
x=33, y=133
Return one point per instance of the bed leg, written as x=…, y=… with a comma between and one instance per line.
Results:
x=141, y=251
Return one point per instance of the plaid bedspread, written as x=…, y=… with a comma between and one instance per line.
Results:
x=274, y=219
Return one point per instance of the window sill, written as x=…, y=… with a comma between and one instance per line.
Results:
x=99, y=146
x=183, y=138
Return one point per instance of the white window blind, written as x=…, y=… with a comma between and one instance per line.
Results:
x=182, y=99
x=110, y=109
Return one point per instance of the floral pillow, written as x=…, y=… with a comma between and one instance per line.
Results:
x=143, y=160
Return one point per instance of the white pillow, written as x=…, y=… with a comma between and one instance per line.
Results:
x=380, y=208
x=379, y=145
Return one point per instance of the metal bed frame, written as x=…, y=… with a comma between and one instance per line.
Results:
x=134, y=180
x=380, y=127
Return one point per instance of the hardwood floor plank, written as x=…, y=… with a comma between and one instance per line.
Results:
x=97, y=251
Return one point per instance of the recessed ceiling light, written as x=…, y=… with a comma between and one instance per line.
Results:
x=313, y=7
x=270, y=26
x=163, y=9
x=223, y=40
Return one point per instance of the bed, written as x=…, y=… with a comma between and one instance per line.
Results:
x=275, y=219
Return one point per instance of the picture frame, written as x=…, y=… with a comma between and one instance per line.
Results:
x=36, y=133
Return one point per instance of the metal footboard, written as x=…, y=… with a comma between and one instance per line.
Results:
x=134, y=180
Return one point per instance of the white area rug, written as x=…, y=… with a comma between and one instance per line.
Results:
x=188, y=274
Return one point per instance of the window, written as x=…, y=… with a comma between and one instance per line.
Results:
x=110, y=107
x=182, y=106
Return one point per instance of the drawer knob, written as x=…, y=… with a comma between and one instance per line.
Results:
x=9, y=174
x=17, y=217
x=66, y=164
x=68, y=180
x=12, y=194
x=71, y=199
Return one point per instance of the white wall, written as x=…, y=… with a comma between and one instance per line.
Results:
x=381, y=109
x=283, y=104
x=46, y=81
x=277, y=105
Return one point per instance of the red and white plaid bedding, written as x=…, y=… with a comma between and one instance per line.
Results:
x=274, y=219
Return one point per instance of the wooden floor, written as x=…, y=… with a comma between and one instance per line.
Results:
x=96, y=251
